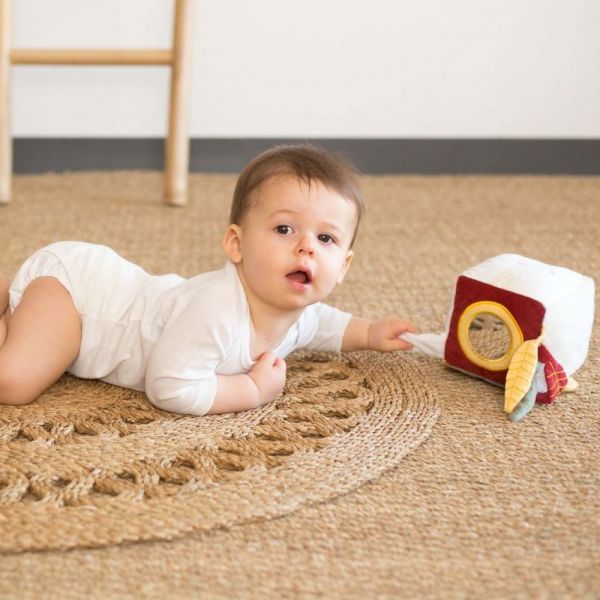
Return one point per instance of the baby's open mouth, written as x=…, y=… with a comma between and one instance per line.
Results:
x=300, y=277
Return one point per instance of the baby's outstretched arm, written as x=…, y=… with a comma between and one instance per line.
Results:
x=382, y=335
x=262, y=384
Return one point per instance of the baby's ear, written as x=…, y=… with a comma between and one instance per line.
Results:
x=232, y=243
x=345, y=266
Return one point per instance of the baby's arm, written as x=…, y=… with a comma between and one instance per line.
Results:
x=181, y=370
x=382, y=335
x=262, y=384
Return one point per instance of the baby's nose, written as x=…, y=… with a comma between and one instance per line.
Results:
x=306, y=246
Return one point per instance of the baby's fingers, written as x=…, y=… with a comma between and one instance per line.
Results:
x=397, y=344
x=402, y=326
x=267, y=359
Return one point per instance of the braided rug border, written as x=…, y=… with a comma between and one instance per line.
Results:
x=400, y=418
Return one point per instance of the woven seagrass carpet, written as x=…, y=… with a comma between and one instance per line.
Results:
x=90, y=464
x=482, y=506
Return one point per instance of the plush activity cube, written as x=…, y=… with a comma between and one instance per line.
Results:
x=519, y=323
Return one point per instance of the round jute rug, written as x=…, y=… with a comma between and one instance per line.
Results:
x=89, y=464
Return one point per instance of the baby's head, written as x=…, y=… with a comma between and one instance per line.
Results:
x=305, y=163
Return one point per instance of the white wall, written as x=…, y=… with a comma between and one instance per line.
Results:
x=322, y=68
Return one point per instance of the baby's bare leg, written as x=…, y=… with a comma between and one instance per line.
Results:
x=43, y=339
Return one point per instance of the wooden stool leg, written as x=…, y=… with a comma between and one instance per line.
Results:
x=178, y=143
x=5, y=137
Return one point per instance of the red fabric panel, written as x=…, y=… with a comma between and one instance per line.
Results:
x=528, y=313
x=556, y=378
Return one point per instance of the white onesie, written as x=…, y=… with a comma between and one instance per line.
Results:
x=163, y=334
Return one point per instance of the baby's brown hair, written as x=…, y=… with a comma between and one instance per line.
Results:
x=306, y=163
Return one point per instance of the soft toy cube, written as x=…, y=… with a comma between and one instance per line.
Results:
x=520, y=323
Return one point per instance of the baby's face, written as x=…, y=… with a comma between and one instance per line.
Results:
x=294, y=243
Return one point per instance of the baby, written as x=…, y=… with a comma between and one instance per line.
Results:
x=216, y=342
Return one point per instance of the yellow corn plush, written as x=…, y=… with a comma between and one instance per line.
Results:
x=520, y=373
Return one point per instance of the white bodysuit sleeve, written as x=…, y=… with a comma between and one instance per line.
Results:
x=330, y=326
x=180, y=375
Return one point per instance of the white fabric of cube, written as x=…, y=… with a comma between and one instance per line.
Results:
x=567, y=296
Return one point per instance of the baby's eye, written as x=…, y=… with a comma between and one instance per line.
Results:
x=283, y=229
x=326, y=238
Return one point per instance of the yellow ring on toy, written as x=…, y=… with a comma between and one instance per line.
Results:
x=497, y=310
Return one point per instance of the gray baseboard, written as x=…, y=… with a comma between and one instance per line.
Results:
x=371, y=156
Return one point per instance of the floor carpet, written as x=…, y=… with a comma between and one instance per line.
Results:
x=483, y=506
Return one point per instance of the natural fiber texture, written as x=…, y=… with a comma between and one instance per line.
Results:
x=90, y=464
x=484, y=507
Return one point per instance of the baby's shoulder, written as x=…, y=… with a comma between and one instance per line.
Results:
x=205, y=311
x=215, y=292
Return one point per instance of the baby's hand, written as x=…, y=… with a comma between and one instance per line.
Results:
x=384, y=334
x=268, y=375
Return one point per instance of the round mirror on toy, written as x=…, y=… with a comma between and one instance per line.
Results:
x=518, y=323
x=487, y=336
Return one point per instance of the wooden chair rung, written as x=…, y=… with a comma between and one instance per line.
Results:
x=56, y=56
x=178, y=59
